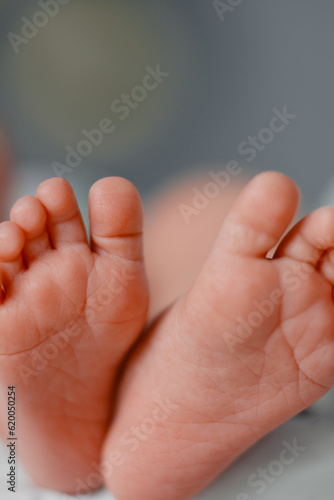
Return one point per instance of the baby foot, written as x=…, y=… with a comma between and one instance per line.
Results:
x=248, y=347
x=69, y=313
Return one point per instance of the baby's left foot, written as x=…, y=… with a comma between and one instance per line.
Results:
x=248, y=347
x=69, y=312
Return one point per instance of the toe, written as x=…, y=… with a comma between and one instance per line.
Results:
x=312, y=241
x=64, y=221
x=260, y=215
x=29, y=214
x=12, y=241
x=116, y=217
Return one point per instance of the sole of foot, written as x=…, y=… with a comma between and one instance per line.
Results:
x=70, y=310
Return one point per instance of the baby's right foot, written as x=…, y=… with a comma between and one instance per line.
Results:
x=69, y=312
x=248, y=347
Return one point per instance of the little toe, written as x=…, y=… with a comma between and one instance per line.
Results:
x=29, y=214
x=116, y=217
x=312, y=241
x=260, y=215
x=12, y=241
x=64, y=221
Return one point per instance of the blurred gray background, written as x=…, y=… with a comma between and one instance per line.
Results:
x=226, y=76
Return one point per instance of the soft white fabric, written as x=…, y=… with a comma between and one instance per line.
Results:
x=309, y=477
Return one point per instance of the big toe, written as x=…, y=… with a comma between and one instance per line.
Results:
x=260, y=215
x=116, y=218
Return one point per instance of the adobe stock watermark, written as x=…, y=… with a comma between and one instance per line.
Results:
x=264, y=477
x=41, y=18
x=41, y=356
x=292, y=279
x=228, y=6
x=130, y=441
x=122, y=107
x=202, y=197
x=219, y=181
x=255, y=144
x=267, y=307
